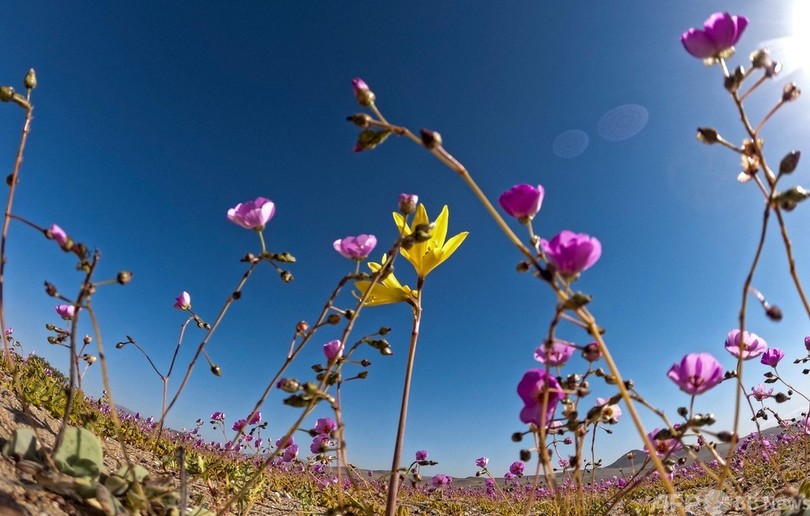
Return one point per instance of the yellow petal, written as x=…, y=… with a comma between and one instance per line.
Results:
x=440, y=230
x=450, y=247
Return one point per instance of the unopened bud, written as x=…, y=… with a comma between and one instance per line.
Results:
x=288, y=385
x=791, y=92
x=123, y=277
x=119, y=345
x=592, y=353
x=773, y=312
x=30, y=80
x=333, y=319
x=349, y=314
x=733, y=81
x=523, y=267
x=87, y=340
x=286, y=276
x=423, y=232
x=773, y=69
x=6, y=93
x=362, y=375
x=760, y=58
x=781, y=397
x=386, y=351
x=216, y=370
x=50, y=289
x=430, y=139
x=363, y=94
x=302, y=326
x=708, y=135
x=384, y=330
x=525, y=455
x=789, y=162
x=407, y=203
x=361, y=120
x=517, y=437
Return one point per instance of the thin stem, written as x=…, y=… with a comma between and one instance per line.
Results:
x=791, y=261
x=393, y=484
x=13, y=179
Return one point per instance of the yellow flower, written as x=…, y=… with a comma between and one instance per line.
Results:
x=387, y=291
x=426, y=256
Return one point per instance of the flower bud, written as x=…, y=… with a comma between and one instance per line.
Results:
x=119, y=345
x=773, y=69
x=789, y=162
x=791, y=92
x=6, y=93
x=216, y=370
x=708, y=135
x=87, y=340
x=301, y=327
x=123, y=277
x=407, y=203
x=423, y=232
x=30, y=80
x=517, y=437
x=361, y=120
x=288, y=385
x=525, y=455
x=760, y=58
x=286, y=276
x=50, y=289
x=363, y=94
x=733, y=81
x=430, y=139
x=773, y=312
x=592, y=353
x=333, y=319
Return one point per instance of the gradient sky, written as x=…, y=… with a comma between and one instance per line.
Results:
x=153, y=119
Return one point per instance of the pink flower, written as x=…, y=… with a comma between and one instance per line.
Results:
x=355, y=247
x=719, y=35
x=183, y=301
x=218, y=416
x=61, y=238
x=290, y=453
x=804, y=425
x=407, y=203
x=517, y=468
x=66, y=312
x=558, y=355
x=772, y=356
x=522, y=201
x=760, y=392
x=482, y=462
x=321, y=443
x=807, y=343
x=572, y=253
x=239, y=425
x=253, y=214
x=610, y=413
x=421, y=455
x=333, y=350
x=753, y=345
x=256, y=419
x=664, y=446
x=532, y=389
x=592, y=353
x=697, y=373
x=440, y=480
x=286, y=444
x=325, y=426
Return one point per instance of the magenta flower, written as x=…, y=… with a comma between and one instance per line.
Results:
x=572, y=253
x=697, y=373
x=663, y=447
x=61, y=238
x=183, y=301
x=717, y=39
x=355, y=247
x=753, y=345
x=239, y=425
x=804, y=425
x=218, y=416
x=517, y=468
x=287, y=443
x=592, y=353
x=772, y=356
x=532, y=389
x=421, y=455
x=290, y=453
x=440, y=480
x=321, y=443
x=558, y=355
x=807, y=343
x=482, y=462
x=253, y=214
x=522, y=201
x=325, y=426
x=407, y=203
x=66, y=312
x=256, y=419
x=333, y=350
x=760, y=392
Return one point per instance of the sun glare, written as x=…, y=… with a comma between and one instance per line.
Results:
x=793, y=51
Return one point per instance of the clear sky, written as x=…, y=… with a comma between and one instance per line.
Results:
x=154, y=118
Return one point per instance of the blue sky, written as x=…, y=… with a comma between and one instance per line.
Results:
x=152, y=120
